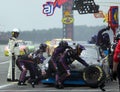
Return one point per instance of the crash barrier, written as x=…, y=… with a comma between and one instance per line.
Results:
x=94, y=76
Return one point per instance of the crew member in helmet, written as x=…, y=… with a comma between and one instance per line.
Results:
x=116, y=60
x=58, y=51
x=93, y=39
x=66, y=59
x=103, y=41
x=32, y=63
x=40, y=51
x=26, y=63
x=13, y=46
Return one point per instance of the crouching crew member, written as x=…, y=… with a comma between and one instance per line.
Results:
x=63, y=65
x=26, y=63
x=30, y=62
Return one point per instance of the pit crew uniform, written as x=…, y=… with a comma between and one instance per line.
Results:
x=52, y=64
x=63, y=65
x=14, y=51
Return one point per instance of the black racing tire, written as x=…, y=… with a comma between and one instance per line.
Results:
x=94, y=76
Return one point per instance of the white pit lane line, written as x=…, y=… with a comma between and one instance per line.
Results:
x=4, y=62
x=6, y=85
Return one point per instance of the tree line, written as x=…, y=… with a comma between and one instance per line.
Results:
x=37, y=36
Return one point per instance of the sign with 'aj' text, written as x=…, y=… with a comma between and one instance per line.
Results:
x=49, y=7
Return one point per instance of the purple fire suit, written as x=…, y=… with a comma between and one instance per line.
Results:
x=63, y=65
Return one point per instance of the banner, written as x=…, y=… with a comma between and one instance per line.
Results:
x=59, y=2
x=113, y=20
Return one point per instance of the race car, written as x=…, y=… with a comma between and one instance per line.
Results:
x=92, y=76
x=24, y=47
x=30, y=47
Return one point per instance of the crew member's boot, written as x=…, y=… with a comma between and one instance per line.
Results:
x=20, y=83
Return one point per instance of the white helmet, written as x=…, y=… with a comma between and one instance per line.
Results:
x=16, y=30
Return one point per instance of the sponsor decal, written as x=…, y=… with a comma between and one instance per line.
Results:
x=49, y=7
x=67, y=19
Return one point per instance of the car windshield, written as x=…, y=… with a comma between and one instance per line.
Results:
x=90, y=52
x=90, y=55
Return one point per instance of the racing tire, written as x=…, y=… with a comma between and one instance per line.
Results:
x=94, y=76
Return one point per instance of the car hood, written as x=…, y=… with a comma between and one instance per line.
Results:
x=77, y=66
